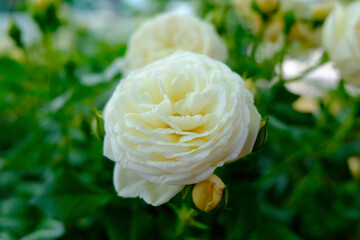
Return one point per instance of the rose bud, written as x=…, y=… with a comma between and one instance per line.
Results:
x=252, y=18
x=354, y=166
x=208, y=194
x=267, y=6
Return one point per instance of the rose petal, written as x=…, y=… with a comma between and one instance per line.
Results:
x=129, y=184
x=254, y=126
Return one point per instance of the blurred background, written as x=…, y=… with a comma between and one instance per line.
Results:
x=59, y=64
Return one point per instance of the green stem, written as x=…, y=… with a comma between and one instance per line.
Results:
x=284, y=165
x=282, y=58
x=309, y=150
x=257, y=42
x=134, y=222
x=310, y=69
x=342, y=132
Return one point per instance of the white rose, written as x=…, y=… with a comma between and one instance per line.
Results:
x=173, y=122
x=163, y=35
x=341, y=39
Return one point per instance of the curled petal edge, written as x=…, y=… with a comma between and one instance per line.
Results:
x=129, y=184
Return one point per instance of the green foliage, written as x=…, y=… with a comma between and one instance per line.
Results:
x=58, y=201
x=56, y=184
x=262, y=134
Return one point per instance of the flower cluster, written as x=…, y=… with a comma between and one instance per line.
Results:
x=180, y=112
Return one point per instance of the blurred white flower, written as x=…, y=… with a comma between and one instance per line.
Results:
x=173, y=122
x=181, y=7
x=341, y=39
x=308, y=9
x=106, y=25
x=30, y=32
x=316, y=83
x=163, y=35
x=65, y=38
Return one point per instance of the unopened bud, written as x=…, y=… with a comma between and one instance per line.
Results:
x=273, y=30
x=267, y=6
x=354, y=166
x=306, y=105
x=208, y=194
x=303, y=32
x=322, y=10
x=245, y=11
x=42, y=4
x=45, y=14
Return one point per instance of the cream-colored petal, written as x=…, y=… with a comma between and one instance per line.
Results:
x=186, y=123
x=108, y=152
x=129, y=184
x=254, y=125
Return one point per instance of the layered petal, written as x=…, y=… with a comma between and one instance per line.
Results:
x=129, y=184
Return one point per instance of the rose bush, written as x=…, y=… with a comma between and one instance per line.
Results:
x=341, y=39
x=163, y=35
x=173, y=122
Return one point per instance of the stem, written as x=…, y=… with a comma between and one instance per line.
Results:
x=343, y=131
x=134, y=220
x=257, y=41
x=49, y=58
x=304, y=73
x=281, y=61
x=284, y=165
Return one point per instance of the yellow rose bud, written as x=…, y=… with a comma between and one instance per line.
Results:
x=256, y=23
x=207, y=194
x=42, y=4
x=354, y=166
x=246, y=13
x=322, y=10
x=267, y=6
x=303, y=32
x=274, y=29
x=306, y=105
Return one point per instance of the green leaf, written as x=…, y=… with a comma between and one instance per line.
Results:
x=68, y=198
x=290, y=20
x=262, y=135
x=274, y=231
x=15, y=214
x=11, y=70
x=6, y=236
x=15, y=33
x=48, y=229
